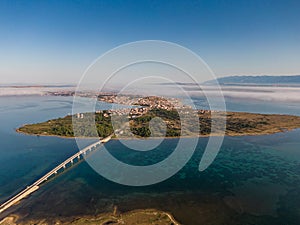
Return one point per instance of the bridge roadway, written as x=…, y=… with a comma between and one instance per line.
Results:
x=35, y=186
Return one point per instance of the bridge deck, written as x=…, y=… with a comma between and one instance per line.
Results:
x=35, y=186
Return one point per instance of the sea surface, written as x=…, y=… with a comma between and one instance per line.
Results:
x=254, y=179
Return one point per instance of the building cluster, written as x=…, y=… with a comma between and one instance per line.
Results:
x=144, y=104
x=203, y=111
x=141, y=104
x=107, y=97
x=79, y=115
x=128, y=112
x=154, y=102
x=149, y=101
x=60, y=93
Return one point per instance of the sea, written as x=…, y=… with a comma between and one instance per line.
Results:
x=253, y=180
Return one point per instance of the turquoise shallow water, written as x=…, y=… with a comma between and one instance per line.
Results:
x=254, y=180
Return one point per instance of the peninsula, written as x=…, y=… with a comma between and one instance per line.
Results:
x=170, y=111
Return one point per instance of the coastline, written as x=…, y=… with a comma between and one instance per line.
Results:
x=237, y=124
x=155, y=138
x=10, y=220
x=115, y=217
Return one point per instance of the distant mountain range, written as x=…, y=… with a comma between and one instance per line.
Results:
x=257, y=80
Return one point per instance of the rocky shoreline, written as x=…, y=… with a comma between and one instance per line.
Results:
x=135, y=217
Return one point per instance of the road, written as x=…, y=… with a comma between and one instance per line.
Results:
x=35, y=186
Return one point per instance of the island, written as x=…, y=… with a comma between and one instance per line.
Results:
x=176, y=120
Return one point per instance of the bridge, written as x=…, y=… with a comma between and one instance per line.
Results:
x=35, y=186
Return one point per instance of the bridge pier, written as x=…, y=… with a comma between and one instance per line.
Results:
x=30, y=189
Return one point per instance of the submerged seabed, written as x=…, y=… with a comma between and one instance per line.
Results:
x=250, y=182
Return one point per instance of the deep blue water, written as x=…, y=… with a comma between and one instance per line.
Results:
x=254, y=180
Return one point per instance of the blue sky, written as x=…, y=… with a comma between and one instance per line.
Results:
x=55, y=41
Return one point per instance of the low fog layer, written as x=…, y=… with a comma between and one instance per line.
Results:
x=278, y=94
x=19, y=91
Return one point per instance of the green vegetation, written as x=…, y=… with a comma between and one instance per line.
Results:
x=60, y=127
x=64, y=126
x=237, y=123
x=140, y=125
